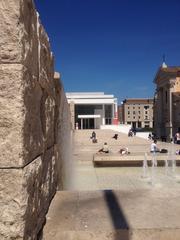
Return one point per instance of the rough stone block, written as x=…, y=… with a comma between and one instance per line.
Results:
x=11, y=115
x=19, y=36
x=21, y=133
x=46, y=63
x=28, y=116
x=25, y=195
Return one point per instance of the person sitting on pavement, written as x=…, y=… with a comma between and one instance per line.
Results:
x=93, y=137
x=124, y=151
x=130, y=133
x=115, y=136
x=149, y=136
x=134, y=131
x=104, y=149
x=177, y=152
x=154, y=147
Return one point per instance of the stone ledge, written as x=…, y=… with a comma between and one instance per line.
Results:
x=132, y=159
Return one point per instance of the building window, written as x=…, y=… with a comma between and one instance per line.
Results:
x=128, y=112
x=134, y=112
x=139, y=112
x=146, y=107
x=146, y=112
x=134, y=117
x=146, y=124
x=108, y=121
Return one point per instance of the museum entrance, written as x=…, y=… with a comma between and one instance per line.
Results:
x=88, y=123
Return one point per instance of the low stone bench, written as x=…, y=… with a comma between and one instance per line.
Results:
x=130, y=160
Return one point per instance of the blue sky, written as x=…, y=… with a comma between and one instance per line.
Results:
x=114, y=46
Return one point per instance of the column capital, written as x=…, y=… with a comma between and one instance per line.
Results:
x=172, y=83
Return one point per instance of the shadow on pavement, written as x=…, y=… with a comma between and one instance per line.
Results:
x=117, y=216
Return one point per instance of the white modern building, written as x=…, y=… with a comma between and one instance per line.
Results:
x=90, y=110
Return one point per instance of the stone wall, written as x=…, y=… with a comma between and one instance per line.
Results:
x=30, y=122
x=64, y=140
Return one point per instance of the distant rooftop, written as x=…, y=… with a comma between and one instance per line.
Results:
x=88, y=95
x=167, y=72
x=138, y=100
x=85, y=93
x=170, y=69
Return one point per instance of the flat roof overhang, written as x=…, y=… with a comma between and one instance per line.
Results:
x=89, y=116
x=92, y=101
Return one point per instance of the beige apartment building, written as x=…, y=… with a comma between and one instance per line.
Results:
x=167, y=101
x=138, y=112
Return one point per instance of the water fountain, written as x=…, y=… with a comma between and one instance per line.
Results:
x=166, y=166
x=171, y=161
x=145, y=166
x=153, y=168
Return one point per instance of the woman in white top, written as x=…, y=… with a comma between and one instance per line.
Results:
x=105, y=148
x=154, y=147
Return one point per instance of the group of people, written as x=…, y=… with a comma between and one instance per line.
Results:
x=152, y=136
x=105, y=149
x=176, y=139
x=94, y=138
x=153, y=147
x=132, y=132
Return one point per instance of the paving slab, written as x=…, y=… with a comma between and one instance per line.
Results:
x=109, y=214
x=113, y=203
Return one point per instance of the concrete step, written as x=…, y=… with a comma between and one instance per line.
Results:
x=112, y=215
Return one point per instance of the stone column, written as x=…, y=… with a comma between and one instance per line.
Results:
x=103, y=115
x=81, y=123
x=171, y=85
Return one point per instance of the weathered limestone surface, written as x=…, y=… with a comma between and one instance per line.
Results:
x=26, y=87
x=20, y=122
x=27, y=197
x=64, y=142
x=33, y=112
x=19, y=35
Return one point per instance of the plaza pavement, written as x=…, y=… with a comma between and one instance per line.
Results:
x=115, y=202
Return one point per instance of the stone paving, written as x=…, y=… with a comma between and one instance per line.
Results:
x=118, y=202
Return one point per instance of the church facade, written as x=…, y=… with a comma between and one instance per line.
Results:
x=167, y=102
